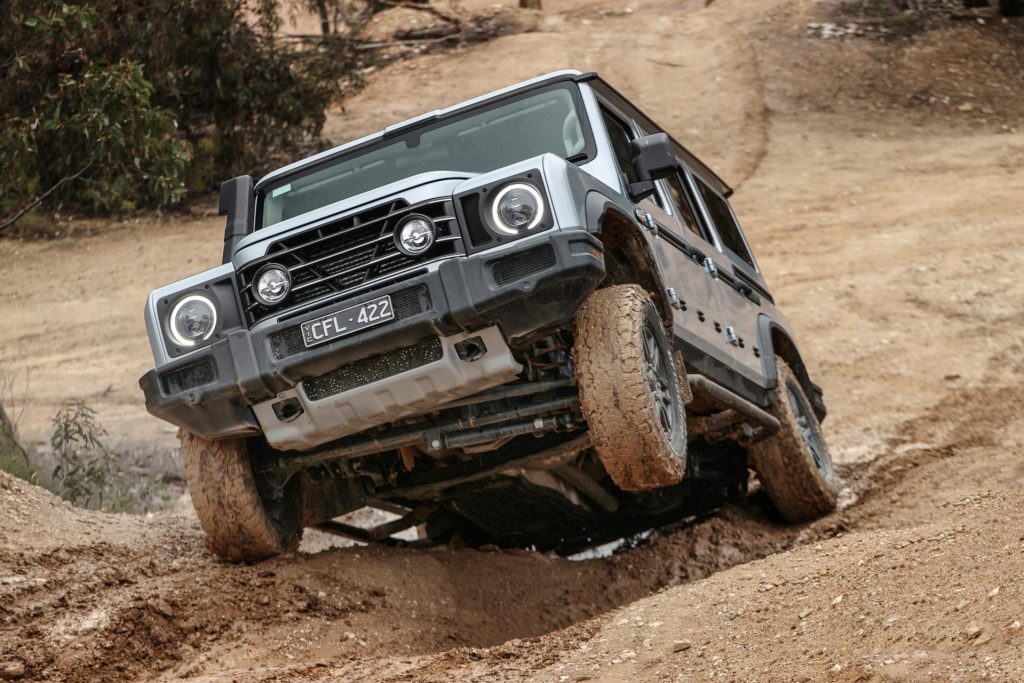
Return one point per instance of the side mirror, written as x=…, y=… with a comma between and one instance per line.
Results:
x=653, y=158
x=237, y=201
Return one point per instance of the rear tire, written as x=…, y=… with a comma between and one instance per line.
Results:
x=629, y=389
x=238, y=524
x=794, y=465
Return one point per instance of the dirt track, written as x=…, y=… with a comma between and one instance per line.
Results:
x=887, y=217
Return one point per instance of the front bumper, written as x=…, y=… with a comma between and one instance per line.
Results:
x=521, y=289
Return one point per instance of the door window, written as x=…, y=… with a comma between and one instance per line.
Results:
x=725, y=223
x=682, y=205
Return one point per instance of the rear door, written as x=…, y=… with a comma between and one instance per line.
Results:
x=739, y=282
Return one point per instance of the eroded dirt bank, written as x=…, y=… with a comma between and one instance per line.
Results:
x=916, y=576
x=886, y=215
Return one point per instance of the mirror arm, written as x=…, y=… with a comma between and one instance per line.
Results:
x=641, y=190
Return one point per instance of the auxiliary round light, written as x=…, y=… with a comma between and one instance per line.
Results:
x=272, y=284
x=192, y=320
x=415, y=235
x=516, y=208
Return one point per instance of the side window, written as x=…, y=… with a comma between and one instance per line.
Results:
x=725, y=224
x=683, y=205
x=620, y=135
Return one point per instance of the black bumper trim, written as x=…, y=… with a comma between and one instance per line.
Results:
x=463, y=296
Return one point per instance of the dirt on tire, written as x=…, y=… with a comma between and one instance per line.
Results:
x=784, y=464
x=623, y=420
x=224, y=493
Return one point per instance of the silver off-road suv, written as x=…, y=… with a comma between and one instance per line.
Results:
x=530, y=319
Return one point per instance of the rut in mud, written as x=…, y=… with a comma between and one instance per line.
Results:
x=147, y=596
x=101, y=597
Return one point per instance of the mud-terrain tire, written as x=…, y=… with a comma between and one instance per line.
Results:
x=629, y=389
x=794, y=465
x=238, y=525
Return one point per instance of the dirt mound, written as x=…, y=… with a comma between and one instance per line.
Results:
x=933, y=601
x=102, y=597
x=912, y=573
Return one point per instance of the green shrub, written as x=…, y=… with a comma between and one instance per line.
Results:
x=112, y=105
x=87, y=472
x=86, y=469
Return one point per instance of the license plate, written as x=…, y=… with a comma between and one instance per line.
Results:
x=347, y=321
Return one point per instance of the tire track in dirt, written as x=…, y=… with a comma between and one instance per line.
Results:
x=156, y=601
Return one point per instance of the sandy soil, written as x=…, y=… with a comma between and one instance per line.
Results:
x=886, y=214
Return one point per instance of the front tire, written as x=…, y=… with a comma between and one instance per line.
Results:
x=239, y=525
x=794, y=465
x=629, y=389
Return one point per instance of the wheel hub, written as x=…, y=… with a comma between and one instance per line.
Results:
x=808, y=434
x=657, y=370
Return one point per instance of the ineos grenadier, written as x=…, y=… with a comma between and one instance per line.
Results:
x=529, y=319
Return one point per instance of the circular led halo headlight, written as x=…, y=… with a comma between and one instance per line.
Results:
x=271, y=284
x=415, y=235
x=517, y=207
x=192, y=320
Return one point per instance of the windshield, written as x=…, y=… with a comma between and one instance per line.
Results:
x=479, y=141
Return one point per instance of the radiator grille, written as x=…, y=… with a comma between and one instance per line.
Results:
x=197, y=374
x=332, y=260
x=525, y=263
x=374, y=369
x=406, y=303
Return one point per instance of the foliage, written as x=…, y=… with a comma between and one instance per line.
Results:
x=111, y=104
x=87, y=471
x=12, y=456
x=86, y=468
x=83, y=130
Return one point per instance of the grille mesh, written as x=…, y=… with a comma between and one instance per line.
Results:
x=374, y=369
x=407, y=303
x=197, y=374
x=330, y=260
x=525, y=263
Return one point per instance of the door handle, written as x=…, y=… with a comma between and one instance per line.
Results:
x=749, y=293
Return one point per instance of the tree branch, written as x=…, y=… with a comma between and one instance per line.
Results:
x=424, y=8
x=17, y=216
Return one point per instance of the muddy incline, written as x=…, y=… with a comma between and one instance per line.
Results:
x=94, y=597
x=886, y=214
x=86, y=596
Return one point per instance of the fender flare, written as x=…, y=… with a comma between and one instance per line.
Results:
x=775, y=340
x=619, y=231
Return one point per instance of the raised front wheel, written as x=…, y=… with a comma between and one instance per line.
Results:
x=629, y=389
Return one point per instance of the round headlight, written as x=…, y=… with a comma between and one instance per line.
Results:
x=415, y=236
x=192, y=320
x=272, y=285
x=516, y=208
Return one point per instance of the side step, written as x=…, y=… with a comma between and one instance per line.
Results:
x=730, y=401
